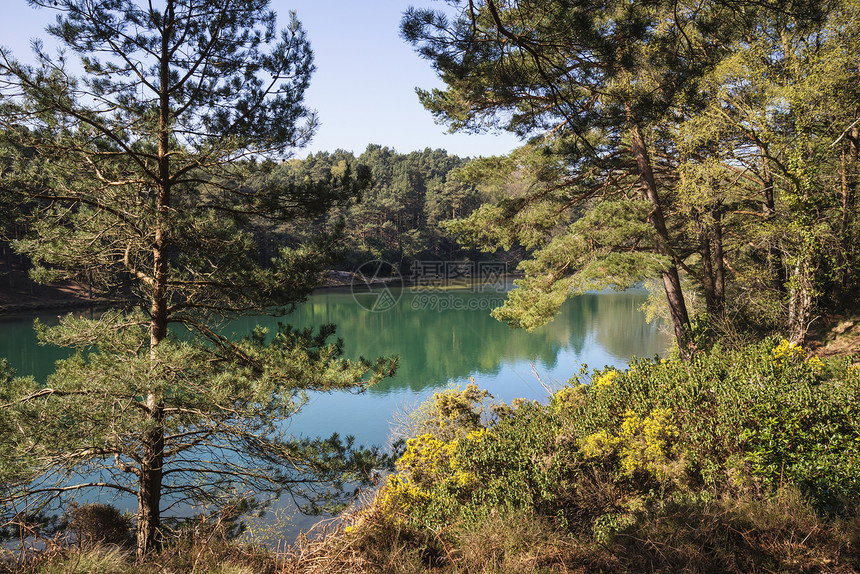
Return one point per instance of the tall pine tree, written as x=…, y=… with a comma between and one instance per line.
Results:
x=134, y=174
x=592, y=84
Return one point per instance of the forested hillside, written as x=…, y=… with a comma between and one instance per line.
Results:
x=397, y=219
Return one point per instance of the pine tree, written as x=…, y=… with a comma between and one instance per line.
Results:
x=592, y=85
x=135, y=174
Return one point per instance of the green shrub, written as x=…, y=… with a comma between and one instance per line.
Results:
x=604, y=453
x=762, y=416
x=98, y=523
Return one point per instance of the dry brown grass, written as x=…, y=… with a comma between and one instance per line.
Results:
x=781, y=534
x=735, y=535
x=359, y=543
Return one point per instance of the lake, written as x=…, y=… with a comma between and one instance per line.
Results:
x=443, y=338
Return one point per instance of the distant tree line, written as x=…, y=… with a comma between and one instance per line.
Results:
x=398, y=218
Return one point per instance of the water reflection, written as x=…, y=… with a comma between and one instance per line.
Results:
x=450, y=335
x=440, y=336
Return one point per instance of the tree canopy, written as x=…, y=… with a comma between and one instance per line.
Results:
x=399, y=217
x=133, y=170
x=615, y=100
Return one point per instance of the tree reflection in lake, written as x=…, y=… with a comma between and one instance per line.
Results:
x=449, y=334
x=441, y=337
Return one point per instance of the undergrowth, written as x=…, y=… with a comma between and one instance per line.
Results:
x=737, y=461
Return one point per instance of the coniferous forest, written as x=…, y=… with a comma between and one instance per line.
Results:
x=707, y=150
x=399, y=217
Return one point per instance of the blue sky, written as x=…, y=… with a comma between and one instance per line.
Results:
x=364, y=86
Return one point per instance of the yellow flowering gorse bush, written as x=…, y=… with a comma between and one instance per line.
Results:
x=606, y=379
x=427, y=463
x=642, y=444
x=425, y=459
x=791, y=353
x=787, y=352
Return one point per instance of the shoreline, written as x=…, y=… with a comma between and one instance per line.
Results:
x=69, y=297
x=12, y=311
x=839, y=336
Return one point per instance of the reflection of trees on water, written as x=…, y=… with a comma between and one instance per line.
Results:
x=436, y=345
x=621, y=329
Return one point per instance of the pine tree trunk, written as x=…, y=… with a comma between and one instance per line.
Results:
x=671, y=279
x=152, y=458
x=149, y=486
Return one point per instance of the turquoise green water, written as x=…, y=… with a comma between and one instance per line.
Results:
x=442, y=338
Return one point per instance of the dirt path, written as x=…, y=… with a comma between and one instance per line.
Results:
x=838, y=338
